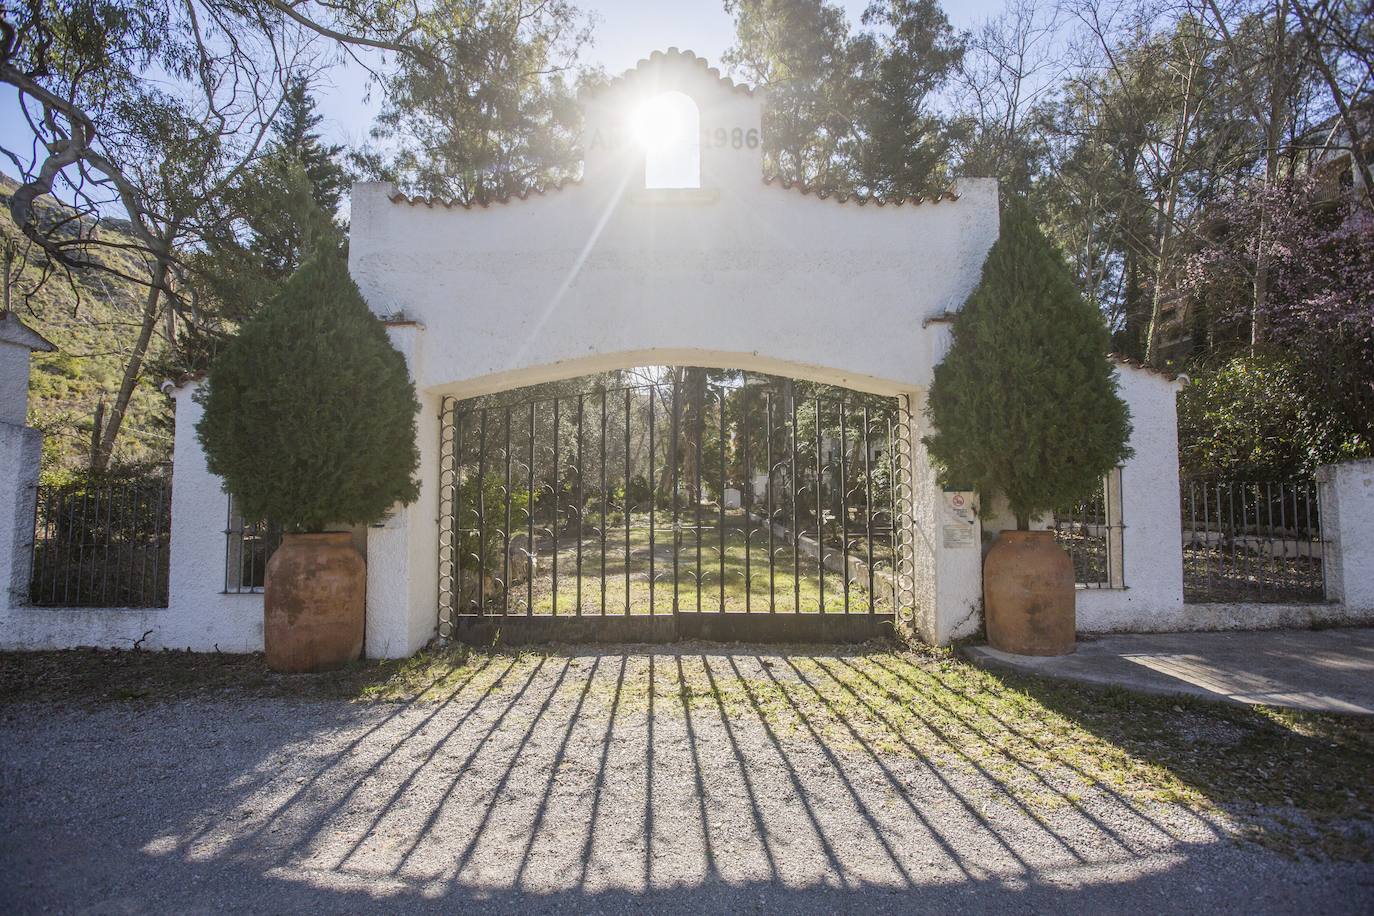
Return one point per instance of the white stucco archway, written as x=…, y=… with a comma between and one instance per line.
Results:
x=603, y=273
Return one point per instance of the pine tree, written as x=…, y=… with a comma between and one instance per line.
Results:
x=1025, y=403
x=309, y=411
x=295, y=136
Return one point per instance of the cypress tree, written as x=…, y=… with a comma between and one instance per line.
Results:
x=1025, y=402
x=309, y=411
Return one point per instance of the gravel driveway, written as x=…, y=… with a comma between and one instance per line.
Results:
x=603, y=780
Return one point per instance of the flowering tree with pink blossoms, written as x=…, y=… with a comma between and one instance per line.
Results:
x=1319, y=320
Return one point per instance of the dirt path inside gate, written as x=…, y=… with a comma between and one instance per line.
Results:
x=689, y=778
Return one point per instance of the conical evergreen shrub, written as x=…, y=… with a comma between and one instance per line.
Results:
x=1025, y=402
x=309, y=412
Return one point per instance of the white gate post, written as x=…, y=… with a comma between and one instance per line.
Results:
x=21, y=451
x=1347, y=514
x=402, y=551
x=945, y=565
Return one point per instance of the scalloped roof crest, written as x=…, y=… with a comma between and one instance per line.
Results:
x=646, y=64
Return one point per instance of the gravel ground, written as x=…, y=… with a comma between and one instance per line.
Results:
x=597, y=781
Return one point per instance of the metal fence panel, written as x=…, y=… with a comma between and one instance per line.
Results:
x=1091, y=530
x=1252, y=541
x=102, y=543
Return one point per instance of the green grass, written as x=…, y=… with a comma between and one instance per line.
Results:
x=1295, y=781
x=796, y=581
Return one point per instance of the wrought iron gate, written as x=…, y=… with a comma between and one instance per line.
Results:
x=692, y=493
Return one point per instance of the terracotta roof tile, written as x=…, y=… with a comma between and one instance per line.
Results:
x=860, y=199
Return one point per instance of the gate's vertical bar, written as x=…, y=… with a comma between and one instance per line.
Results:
x=772, y=565
x=157, y=539
x=142, y=578
x=868, y=507
x=461, y=419
x=530, y=551
x=71, y=579
x=795, y=490
x=747, y=502
x=139, y=537
x=81, y=549
x=41, y=497
x=482, y=516
x=1282, y=547
x=844, y=500
x=105, y=562
x=891, y=453
x=581, y=499
x=653, y=500
x=557, y=500
x=1247, y=560
x=603, y=502
x=625, y=498
x=698, y=421
x=1237, y=532
x=1267, y=541
x=1214, y=567
x=138, y=499
x=1309, y=492
x=675, y=458
x=505, y=528
x=125, y=558
x=1192, y=528
x=720, y=492
x=820, y=532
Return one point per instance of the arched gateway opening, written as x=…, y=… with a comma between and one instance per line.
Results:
x=674, y=491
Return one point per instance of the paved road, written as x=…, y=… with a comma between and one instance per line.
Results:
x=563, y=786
x=1321, y=670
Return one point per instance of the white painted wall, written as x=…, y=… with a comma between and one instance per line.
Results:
x=14, y=382
x=602, y=274
x=402, y=552
x=1347, y=506
x=20, y=453
x=1151, y=541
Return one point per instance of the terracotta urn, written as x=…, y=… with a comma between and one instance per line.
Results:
x=313, y=602
x=1028, y=595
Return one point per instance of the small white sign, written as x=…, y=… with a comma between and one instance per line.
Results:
x=958, y=535
x=960, y=521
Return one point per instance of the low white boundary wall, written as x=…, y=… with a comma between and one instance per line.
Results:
x=199, y=614
x=1151, y=550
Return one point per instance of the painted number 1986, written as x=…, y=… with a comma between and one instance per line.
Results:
x=738, y=138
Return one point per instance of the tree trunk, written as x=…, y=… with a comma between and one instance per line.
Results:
x=1259, y=311
x=100, y=459
x=665, y=476
x=694, y=385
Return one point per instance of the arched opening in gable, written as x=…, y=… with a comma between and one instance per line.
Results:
x=667, y=127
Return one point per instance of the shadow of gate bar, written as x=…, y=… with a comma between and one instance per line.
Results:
x=693, y=502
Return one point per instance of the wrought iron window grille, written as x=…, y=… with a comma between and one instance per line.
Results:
x=247, y=548
x=1092, y=530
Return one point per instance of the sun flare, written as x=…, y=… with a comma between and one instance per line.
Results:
x=662, y=121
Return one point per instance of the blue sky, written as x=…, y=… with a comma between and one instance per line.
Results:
x=626, y=30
